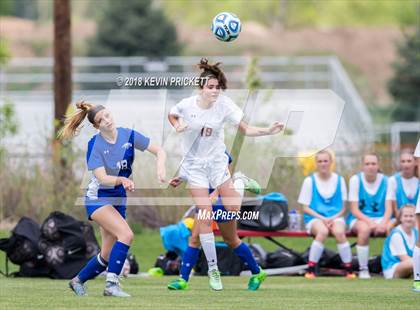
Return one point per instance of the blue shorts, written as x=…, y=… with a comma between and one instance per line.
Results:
x=92, y=205
x=218, y=206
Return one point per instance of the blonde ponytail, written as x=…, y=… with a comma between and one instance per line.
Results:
x=73, y=121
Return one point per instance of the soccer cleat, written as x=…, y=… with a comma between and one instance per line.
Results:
x=350, y=275
x=310, y=275
x=364, y=274
x=256, y=280
x=249, y=184
x=112, y=287
x=416, y=286
x=215, y=280
x=77, y=287
x=178, y=285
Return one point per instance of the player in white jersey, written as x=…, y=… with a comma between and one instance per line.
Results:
x=368, y=215
x=403, y=186
x=416, y=251
x=201, y=118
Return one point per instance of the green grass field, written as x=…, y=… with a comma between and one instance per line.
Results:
x=277, y=292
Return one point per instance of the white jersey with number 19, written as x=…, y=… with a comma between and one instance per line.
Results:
x=204, y=137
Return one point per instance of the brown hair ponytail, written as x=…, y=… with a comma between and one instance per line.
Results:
x=73, y=121
x=211, y=71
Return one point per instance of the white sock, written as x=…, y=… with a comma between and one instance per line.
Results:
x=111, y=277
x=416, y=263
x=239, y=186
x=209, y=248
x=363, y=256
x=345, y=252
x=316, y=251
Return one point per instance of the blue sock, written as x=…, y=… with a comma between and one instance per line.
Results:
x=117, y=257
x=95, y=266
x=189, y=260
x=245, y=255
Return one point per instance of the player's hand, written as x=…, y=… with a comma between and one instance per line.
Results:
x=127, y=184
x=327, y=222
x=175, y=182
x=181, y=127
x=275, y=128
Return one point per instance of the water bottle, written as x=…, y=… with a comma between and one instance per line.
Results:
x=293, y=225
x=298, y=221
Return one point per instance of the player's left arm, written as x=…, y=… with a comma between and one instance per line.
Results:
x=160, y=154
x=253, y=131
x=404, y=257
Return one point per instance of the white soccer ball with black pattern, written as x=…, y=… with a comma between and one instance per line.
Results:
x=226, y=26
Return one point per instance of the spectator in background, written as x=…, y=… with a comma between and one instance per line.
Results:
x=416, y=252
x=323, y=195
x=403, y=187
x=368, y=215
x=398, y=247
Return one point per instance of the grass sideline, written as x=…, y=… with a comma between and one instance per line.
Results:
x=275, y=293
x=151, y=292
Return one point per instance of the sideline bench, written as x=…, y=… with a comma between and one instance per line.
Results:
x=269, y=235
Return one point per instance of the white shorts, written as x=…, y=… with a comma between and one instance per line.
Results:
x=206, y=173
x=389, y=273
x=308, y=226
x=377, y=220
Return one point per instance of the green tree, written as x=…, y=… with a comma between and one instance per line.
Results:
x=134, y=28
x=405, y=84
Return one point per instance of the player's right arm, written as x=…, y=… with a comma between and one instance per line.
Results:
x=109, y=180
x=175, y=116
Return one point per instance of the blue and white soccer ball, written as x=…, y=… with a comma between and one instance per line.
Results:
x=226, y=26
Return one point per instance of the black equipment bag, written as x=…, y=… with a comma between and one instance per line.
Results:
x=273, y=213
x=62, y=239
x=374, y=264
x=228, y=262
x=67, y=244
x=284, y=257
x=134, y=265
x=169, y=262
x=22, y=246
x=58, y=249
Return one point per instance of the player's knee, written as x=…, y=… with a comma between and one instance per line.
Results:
x=363, y=231
x=126, y=236
x=340, y=236
x=321, y=234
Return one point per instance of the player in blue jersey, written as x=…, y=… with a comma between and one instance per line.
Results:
x=397, y=253
x=227, y=228
x=368, y=215
x=110, y=156
x=403, y=187
x=323, y=196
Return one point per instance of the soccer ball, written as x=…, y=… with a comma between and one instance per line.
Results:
x=226, y=26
